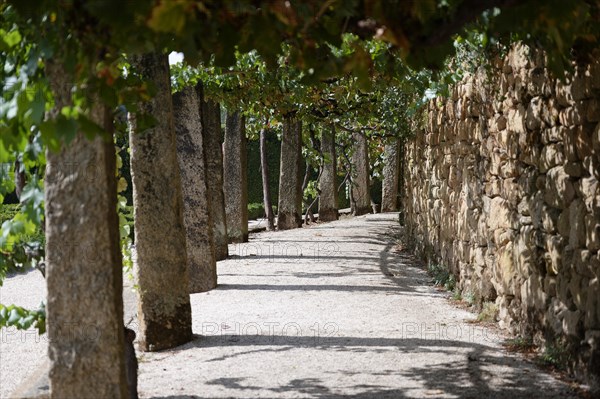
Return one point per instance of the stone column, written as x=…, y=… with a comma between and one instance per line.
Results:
x=83, y=261
x=360, y=176
x=289, y=209
x=391, y=170
x=235, y=178
x=164, y=304
x=202, y=266
x=212, y=137
x=328, y=199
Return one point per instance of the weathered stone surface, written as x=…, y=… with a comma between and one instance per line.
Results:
x=592, y=232
x=360, y=179
x=520, y=209
x=391, y=169
x=328, y=199
x=552, y=155
x=202, y=266
x=83, y=261
x=212, y=137
x=235, y=179
x=164, y=313
x=289, y=209
x=559, y=188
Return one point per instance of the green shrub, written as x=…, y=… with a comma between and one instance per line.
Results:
x=441, y=276
x=7, y=212
x=555, y=354
x=26, y=251
x=255, y=211
x=489, y=312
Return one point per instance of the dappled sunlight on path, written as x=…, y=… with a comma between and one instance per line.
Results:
x=335, y=310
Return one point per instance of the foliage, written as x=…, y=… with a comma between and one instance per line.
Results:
x=22, y=319
x=442, y=276
x=556, y=355
x=256, y=210
x=255, y=192
x=269, y=58
x=489, y=312
x=520, y=344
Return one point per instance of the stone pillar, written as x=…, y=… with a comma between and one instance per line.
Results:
x=235, y=178
x=360, y=176
x=164, y=304
x=289, y=209
x=328, y=199
x=83, y=261
x=212, y=137
x=202, y=266
x=391, y=170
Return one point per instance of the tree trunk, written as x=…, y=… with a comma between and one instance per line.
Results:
x=212, y=137
x=236, y=178
x=20, y=179
x=164, y=303
x=202, y=266
x=391, y=171
x=360, y=182
x=289, y=209
x=264, y=167
x=83, y=260
x=328, y=199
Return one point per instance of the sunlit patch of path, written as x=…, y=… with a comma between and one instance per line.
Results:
x=336, y=311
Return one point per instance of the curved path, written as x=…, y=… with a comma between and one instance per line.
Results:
x=330, y=311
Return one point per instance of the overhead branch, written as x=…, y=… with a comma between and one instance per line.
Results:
x=466, y=12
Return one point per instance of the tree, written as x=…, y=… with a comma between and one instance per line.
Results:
x=289, y=209
x=162, y=264
x=264, y=167
x=191, y=151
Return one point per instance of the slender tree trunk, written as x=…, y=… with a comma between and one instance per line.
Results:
x=212, y=137
x=202, y=266
x=264, y=167
x=236, y=178
x=20, y=179
x=328, y=198
x=391, y=172
x=302, y=190
x=360, y=181
x=83, y=260
x=290, y=184
x=162, y=266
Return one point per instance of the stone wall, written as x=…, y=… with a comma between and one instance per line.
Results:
x=502, y=188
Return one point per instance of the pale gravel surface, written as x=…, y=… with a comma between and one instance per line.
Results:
x=21, y=351
x=328, y=311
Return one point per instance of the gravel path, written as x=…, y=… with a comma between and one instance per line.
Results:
x=327, y=311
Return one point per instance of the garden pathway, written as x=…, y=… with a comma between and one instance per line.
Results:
x=329, y=311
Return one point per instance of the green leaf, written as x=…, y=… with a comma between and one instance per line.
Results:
x=14, y=316
x=168, y=16
x=9, y=40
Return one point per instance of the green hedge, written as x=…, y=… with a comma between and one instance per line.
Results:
x=255, y=193
x=8, y=211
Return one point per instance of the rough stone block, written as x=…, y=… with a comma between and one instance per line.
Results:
x=559, y=188
x=592, y=306
x=554, y=254
x=577, y=224
x=592, y=232
x=552, y=155
x=574, y=115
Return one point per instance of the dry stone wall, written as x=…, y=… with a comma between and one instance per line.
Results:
x=502, y=188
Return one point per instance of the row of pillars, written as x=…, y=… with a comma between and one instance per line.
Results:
x=186, y=209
